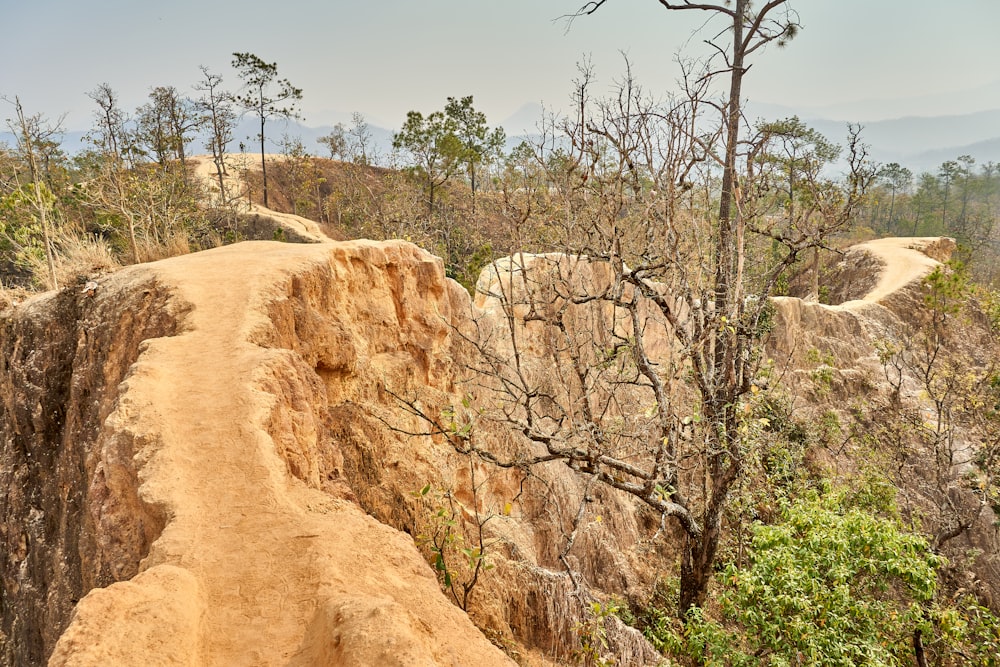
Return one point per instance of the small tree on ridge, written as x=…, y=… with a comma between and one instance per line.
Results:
x=266, y=95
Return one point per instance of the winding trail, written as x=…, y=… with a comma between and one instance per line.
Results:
x=254, y=567
x=903, y=261
x=204, y=168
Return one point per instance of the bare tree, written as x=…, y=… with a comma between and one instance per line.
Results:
x=30, y=131
x=216, y=106
x=652, y=318
x=336, y=142
x=710, y=319
x=165, y=124
x=948, y=442
x=117, y=153
x=361, y=140
x=266, y=95
x=110, y=134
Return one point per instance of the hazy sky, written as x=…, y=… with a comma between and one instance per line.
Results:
x=384, y=57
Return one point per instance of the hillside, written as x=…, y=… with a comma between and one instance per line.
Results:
x=208, y=466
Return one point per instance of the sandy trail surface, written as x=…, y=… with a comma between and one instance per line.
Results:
x=903, y=261
x=253, y=567
x=205, y=169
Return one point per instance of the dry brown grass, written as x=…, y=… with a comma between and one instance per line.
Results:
x=151, y=250
x=79, y=255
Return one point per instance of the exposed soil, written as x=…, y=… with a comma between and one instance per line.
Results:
x=253, y=567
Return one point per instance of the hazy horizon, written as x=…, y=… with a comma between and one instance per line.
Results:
x=853, y=60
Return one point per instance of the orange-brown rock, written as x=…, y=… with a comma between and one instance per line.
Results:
x=210, y=460
x=200, y=473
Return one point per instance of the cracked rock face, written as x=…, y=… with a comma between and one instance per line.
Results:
x=204, y=461
x=175, y=489
x=72, y=518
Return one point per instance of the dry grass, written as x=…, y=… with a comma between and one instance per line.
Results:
x=12, y=296
x=79, y=255
x=151, y=250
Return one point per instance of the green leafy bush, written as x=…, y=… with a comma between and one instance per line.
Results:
x=829, y=583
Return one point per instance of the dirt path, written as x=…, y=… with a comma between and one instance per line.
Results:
x=204, y=168
x=254, y=567
x=903, y=261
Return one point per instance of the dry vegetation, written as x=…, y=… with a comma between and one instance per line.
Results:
x=636, y=361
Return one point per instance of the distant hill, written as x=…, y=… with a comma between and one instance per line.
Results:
x=919, y=143
x=983, y=151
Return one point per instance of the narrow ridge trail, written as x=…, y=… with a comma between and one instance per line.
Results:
x=204, y=169
x=253, y=567
x=903, y=261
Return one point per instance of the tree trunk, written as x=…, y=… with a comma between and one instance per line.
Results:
x=123, y=209
x=892, y=210
x=726, y=250
x=699, y=555
x=696, y=569
x=220, y=170
x=698, y=561
x=133, y=243
x=815, y=274
x=263, y=162
x=918, y=648
x=472, y=171
x=944, y=210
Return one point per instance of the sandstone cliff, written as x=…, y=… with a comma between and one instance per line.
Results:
x=210, y=459
x=170, y=433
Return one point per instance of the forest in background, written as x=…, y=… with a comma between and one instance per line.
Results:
x=448, y=184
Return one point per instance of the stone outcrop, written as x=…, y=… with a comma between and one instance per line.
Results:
x=72, y=518
x=878, y=298
x=217, y=459
x=171, y=434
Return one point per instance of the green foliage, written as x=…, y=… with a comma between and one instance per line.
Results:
x=872, y=492
x=479, y=142
x=946, y=289
x=828, y=584
x=593, y=637
x=458, y=559
x=959, y=199
x=21, y=233
x=785, y=440
x=442, y=142
x=468, y=273
x=766, y=320
x=265, y=94
x=967, y=633
x=166, y=124
x=434, y=148
x=822, y=375
x=990, y=300
x=796, y=152
x=828, y=427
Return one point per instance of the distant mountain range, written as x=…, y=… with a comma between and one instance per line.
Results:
x=919, y=143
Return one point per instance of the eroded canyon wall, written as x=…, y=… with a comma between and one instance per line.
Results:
x=218, y=458
x=71, y=517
